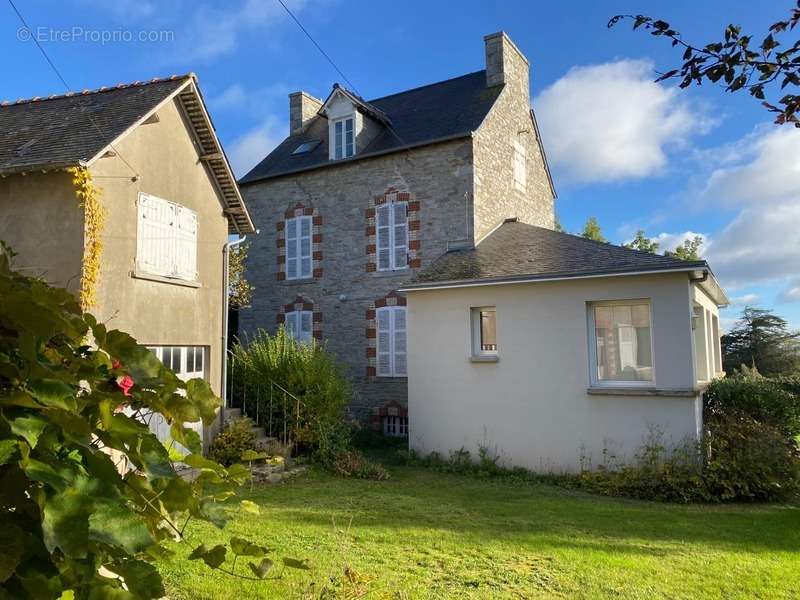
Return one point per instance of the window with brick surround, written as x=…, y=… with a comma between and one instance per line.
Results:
x=391, y=346
x=298, y=325
x=395, y=425
x=391, y=229
x=298, y=247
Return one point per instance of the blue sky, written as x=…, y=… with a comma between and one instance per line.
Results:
x=633, y=153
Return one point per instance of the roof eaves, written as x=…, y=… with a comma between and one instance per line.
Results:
x=562, y=276
x=358, y=157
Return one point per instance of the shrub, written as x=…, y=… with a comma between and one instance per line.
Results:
x=775, y=402
x=352, y=463
x=84, y=484
x=749, y=460
x=228, y=447
x=308, y=371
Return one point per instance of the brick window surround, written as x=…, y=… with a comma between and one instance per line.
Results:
x=300, y=210
x=391, y=299
x=300, y=303
x=414, y=243
x=390, y=409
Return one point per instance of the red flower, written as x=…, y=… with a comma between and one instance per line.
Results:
x=125, y=383
x=115, y=364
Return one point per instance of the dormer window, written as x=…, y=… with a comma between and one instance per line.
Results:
x=344, y=138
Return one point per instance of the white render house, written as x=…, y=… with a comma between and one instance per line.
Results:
x=558, y=352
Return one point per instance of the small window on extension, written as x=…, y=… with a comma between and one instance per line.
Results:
x=484, y=332
x=306, y=147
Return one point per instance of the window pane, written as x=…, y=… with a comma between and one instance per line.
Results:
x=488, y=331
x=338, y=142
x=291, y=228
x=349, y=137
x=306, y=268
x=623, y=343
x=305, y=227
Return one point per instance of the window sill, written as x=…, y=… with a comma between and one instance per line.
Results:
x=641, y=391
x=488, y=358
x=303, y=281
x=391, y=273
x=138, y=274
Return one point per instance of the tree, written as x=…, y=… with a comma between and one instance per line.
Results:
x=761, y=340
x=642, y=243
x=240, y=291
x=557, y=226
x=88, y=494
x=689, y=250
x=737, y=62
x=591, y=231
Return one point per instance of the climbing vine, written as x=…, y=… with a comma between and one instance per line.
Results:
x=94, y=217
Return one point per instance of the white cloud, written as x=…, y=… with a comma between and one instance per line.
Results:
x=761, y=244
x=766, y=168
x=745, y=300
x=611, y=122
x=670, y=241
x=249, y=149
x=124, y=9
x=791, y=294
x=215, y=31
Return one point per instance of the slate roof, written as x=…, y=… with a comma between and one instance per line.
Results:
x=516, y=251
x=71, y=129
x=444, y=110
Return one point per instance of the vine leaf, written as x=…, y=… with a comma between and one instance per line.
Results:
x=243, y=547
x=294, y=563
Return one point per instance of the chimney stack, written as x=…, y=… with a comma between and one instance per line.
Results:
x=302, y=108
x=505, y=64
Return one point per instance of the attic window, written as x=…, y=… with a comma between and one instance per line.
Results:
x=306, y=147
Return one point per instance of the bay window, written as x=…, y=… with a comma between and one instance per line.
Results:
x=621, y=349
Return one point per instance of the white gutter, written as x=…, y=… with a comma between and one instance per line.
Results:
x=478, y=283
x=226, y=253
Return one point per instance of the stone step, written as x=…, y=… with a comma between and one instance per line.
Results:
x=232, y=414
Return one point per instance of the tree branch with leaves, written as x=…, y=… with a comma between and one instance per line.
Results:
x=737, y=61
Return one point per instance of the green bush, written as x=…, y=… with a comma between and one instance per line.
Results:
x=308, y=371
x=352, y=463
x=749, y=460
x=774, y=402
x=228, y=447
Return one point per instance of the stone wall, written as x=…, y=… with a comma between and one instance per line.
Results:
x=436, y=181
x=496, y=195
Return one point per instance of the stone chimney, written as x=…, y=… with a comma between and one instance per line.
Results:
x=302, y=108
x=505, y=64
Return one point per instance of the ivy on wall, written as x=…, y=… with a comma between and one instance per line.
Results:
x=94, y=218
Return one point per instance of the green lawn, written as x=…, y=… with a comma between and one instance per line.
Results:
x=423, y=534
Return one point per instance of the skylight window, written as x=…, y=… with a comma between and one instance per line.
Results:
x=306, y=147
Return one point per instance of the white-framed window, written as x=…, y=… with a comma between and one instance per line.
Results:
x=391, y=232
x=484, y=331
x=395, y=426
x=166, y=238
x=298, y=247
x=298, y=324
x=717, y=350
x=391, y=351
x=188, y=362
x=621, y=343
x=344, y=141
x=520, y=166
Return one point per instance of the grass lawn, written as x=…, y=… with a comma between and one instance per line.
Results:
x=423, y=534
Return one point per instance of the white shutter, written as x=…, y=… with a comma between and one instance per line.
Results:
x=154, y=235
x=399, y=341
x=384, y=318
x=186, y=243
x=383, y=230
x=290, y=323
x=304, y=250
x=305, y=326
x=400, y=235
x=292, y=258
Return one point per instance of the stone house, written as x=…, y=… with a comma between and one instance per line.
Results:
x=170, y=202
x=363, y=194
